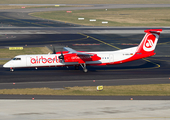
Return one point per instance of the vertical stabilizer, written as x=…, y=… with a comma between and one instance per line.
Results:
x=149, y=41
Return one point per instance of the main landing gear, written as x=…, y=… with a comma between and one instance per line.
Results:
x=84, y=67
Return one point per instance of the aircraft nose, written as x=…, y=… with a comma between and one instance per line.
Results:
x=6, y=65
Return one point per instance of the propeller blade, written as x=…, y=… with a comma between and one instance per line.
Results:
x=61, y=56
x=54, y=52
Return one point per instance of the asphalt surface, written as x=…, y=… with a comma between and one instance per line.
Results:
x=84, y=109
x=20, y=17
x=132, y=73
x=131, y=70
x=69, y=97
x=93, y=6
x=77, y=30
x=136, y=72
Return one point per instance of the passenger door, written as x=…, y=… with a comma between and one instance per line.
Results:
x=111, y=59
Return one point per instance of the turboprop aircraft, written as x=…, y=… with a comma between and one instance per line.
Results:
x=75, y=58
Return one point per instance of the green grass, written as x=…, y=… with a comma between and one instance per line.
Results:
x=3, y=62
x=115, y=17
x=123, y=90
x=85, y=2
x=6, y=53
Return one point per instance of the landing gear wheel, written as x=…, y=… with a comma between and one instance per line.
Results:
x=12, y=70
x=85, y=70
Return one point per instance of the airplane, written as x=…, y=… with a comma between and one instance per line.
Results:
x=71, y=57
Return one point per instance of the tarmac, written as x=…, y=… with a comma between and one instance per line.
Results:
x=84, y=110
x=80, y=107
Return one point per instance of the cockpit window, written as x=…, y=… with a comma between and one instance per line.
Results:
x=16, y=59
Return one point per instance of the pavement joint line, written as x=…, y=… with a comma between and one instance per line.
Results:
x=163, y=43
x=85, y=81
x=158, y=66
x=58, y=41
x=131, y=118
x=134, y=68
x=69, y=40
x=25, y=21
x=159, y=60
x=100, y=41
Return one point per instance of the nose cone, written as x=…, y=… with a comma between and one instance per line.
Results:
x=6, y=65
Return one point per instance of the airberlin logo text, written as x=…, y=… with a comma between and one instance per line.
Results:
x=38, y=60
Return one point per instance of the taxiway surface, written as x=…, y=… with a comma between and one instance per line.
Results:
x=157, y=68
x=20, y=17
x=153, y=70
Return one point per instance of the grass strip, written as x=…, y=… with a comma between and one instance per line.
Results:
x=2, y=62
x=6, y=53
x=114, y=17
x=122, y=90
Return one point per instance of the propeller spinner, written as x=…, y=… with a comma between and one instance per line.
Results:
x=61, y=56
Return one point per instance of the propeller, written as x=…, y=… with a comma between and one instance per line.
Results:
x=54, y=52
x=61, y=56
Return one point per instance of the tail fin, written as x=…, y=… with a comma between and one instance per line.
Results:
x=149, y=41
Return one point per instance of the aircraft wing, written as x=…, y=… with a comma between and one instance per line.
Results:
x=74, y=51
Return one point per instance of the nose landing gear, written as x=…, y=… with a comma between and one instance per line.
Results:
x=11, y=69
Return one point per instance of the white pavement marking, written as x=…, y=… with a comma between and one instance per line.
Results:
x=84, y=109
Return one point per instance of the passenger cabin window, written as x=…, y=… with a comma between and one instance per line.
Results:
x=16, y=59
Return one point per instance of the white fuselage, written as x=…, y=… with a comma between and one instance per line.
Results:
x=52, y=60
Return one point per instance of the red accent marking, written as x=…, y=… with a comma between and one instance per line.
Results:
x=80, y=58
